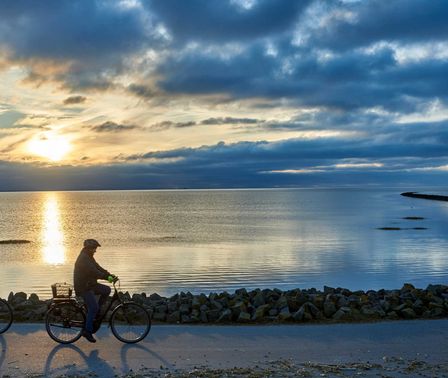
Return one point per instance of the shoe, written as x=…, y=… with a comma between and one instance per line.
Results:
x=88, y=336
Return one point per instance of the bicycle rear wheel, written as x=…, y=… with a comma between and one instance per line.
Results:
x=65, y=322
x=130, y=322
x=5, y=316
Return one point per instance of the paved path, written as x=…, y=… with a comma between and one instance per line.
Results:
x=26, y=349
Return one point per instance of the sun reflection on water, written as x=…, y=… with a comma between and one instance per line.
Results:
x=53, y=250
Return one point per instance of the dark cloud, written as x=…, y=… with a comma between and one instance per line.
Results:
x=165, y=125
x=53, y=29
x=223, y=20
x=74, y=100
x=228, y=120
x=404, y=21
x=346, y=81
x=141, y=90
x=112, y=127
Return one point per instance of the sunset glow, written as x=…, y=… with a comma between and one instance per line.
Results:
x=51, y=147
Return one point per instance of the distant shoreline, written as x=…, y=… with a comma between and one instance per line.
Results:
x=433, y=197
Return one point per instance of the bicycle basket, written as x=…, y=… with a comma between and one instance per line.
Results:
x=62, y=290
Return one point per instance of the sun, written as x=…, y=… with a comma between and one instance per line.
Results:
x=50, y=146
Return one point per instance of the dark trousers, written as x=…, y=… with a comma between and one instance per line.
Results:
x=92, y=305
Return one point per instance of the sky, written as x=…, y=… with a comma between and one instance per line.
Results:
x=163, y=94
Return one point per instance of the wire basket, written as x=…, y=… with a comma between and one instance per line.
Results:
x=62, y=290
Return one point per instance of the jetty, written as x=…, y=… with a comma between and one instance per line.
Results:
x=434, y=197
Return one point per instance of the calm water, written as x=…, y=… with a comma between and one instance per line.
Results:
x=202, y=240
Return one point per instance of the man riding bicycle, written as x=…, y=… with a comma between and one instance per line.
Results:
x=87, y=272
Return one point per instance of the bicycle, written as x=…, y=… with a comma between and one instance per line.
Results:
x=6, y=316
x=66, y=317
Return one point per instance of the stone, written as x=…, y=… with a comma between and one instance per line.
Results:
x=242, y=292
x=186, y=319
x=244, y=317
x=216, y=305
x=213, y=315
x=282, y=302
x=408, y=313
x=173, y=317
x=203, y=317
x=408, y=287
x=284, y=314
x=19, y=297
x=225, y=316
x=184, y=308
x=159, y=316
x=260, y=312
x=172, y=307
x=34, y=298
x=273, y=312
x=258, y=299
x=161, y=309
x=329, y=308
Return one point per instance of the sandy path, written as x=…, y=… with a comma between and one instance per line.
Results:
x=26, y=349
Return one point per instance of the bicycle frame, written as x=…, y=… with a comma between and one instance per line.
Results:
x=83, y=307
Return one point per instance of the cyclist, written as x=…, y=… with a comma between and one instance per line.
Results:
x=86, y=273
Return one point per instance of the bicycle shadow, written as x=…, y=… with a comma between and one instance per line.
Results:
x=3, y=346
x=92, y=363
x=125, y=349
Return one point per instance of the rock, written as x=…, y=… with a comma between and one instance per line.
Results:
x=172, y=307
x=258, y=299
x=408, y=287
x=159, y=316
x=213, y=315
x=203, y=317
x=344, y=313
x=242, y=292
x=196, y=303
x=225, y=316
x=184, y=308
x=186, y=319
x=299, y=315
x=329, y=308
x=19, y=297
x=155, y=297
x=284, y=314
x=273, y=312
x=302, y=314
x=215, y=305
x=408, y=313
x=237, y=308
x=244, y=317
x=173, y=317
x=392, y=315
x=161, y=309
x=329, y=290
x=260, y=312
x=282, y=302
x=342, y=301
x=34, y=298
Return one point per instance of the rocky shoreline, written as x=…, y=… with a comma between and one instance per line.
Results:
x=270, y=306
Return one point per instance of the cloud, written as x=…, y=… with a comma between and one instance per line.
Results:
x=221, y=20
x=165, y=125
x=405, y=21
x=229, y=120
x=112, y=127
x=74, y=100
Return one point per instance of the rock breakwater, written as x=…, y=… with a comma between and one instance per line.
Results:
x=273, y=305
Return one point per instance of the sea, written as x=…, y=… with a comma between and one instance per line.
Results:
x=203, y=241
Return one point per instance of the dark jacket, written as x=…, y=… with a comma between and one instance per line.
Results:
x=86, y=272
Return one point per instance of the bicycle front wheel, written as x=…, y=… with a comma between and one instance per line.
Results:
x=65, y=322
x=130, y=323
x=5, y=316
